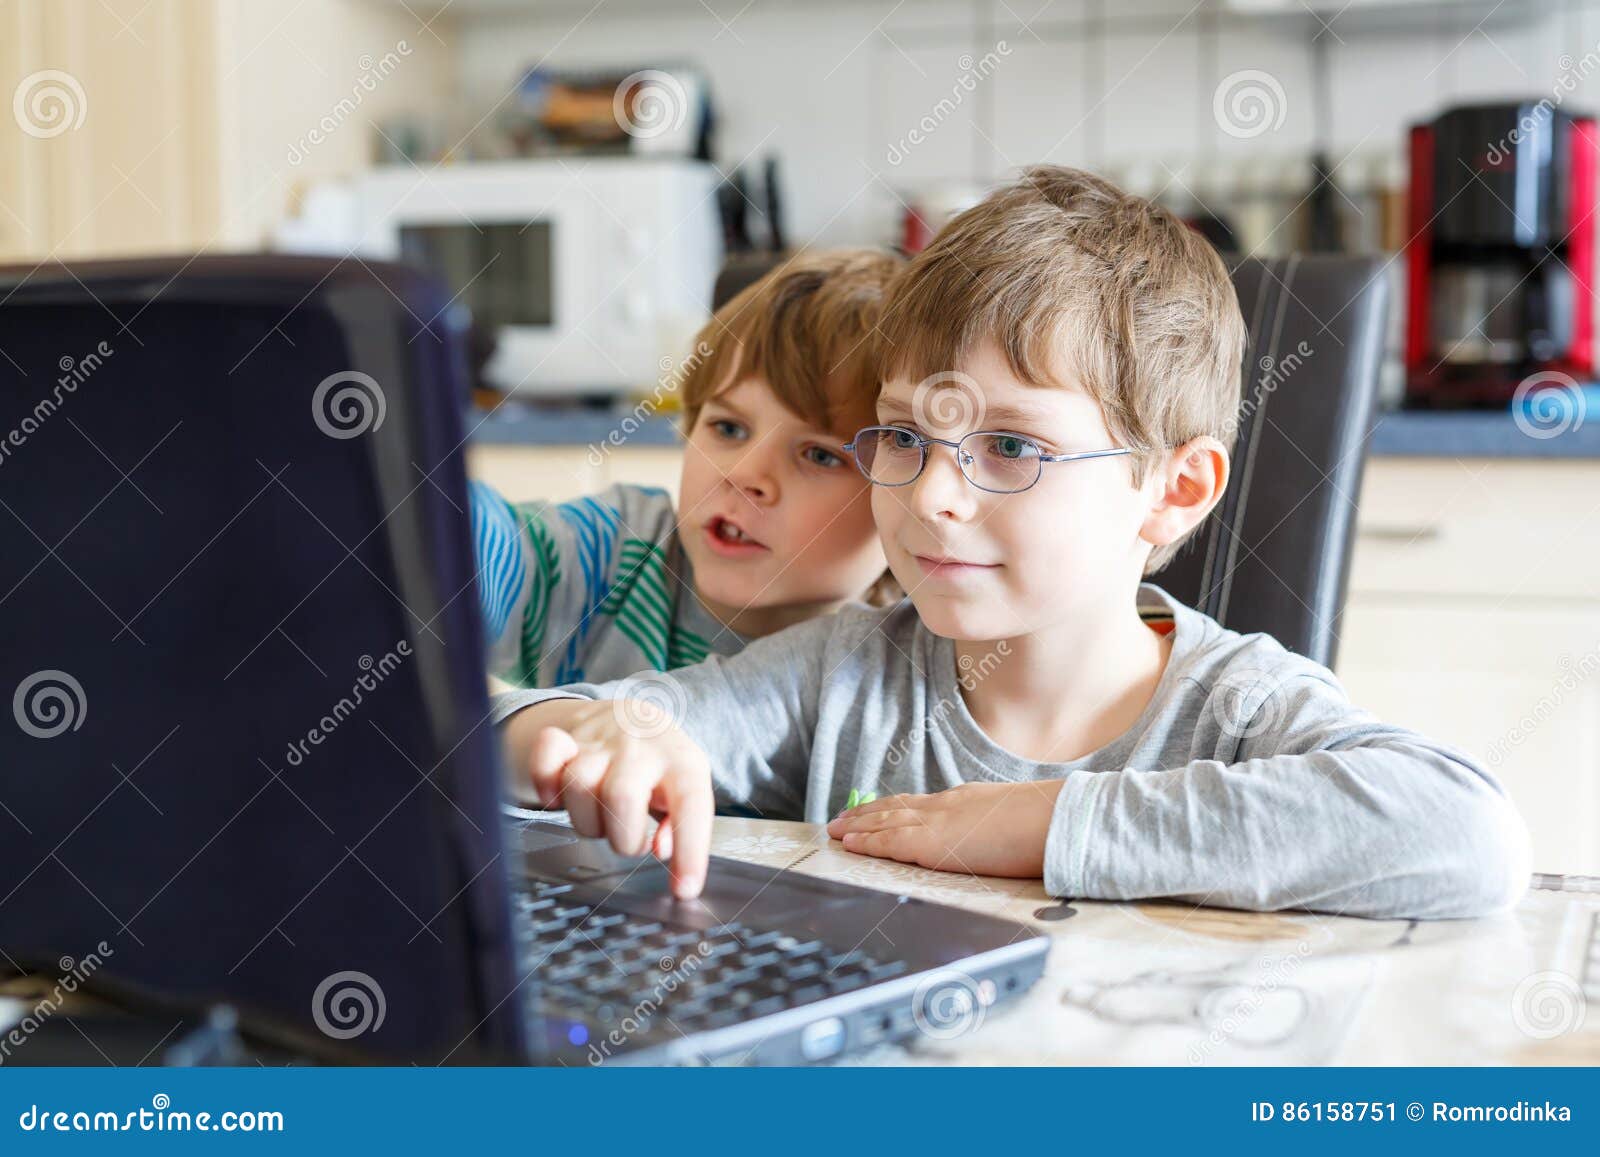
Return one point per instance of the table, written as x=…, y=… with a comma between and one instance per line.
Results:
x=1159, y=983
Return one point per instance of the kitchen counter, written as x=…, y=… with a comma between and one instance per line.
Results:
x=516, y=424
x=1480, y=434
x=1399, y=433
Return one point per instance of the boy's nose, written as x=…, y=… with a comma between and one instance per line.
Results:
x=752, y=476
x=942, y=489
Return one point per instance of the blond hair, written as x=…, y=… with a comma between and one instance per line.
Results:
x=807, y=329
x=1076, y=280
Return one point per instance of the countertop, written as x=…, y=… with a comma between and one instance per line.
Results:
x=1166, y=983
x=1398, y=433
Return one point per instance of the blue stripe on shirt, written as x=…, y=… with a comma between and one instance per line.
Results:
x=498, y=549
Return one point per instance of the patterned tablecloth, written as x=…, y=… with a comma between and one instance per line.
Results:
x=1171, y=984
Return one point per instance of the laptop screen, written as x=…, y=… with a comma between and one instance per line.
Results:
x=247, y=757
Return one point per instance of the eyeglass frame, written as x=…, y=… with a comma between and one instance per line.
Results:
x=924, y=441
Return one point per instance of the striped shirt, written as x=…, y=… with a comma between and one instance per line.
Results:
x=589, y=590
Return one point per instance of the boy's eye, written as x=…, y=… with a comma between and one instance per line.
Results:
x=1010, y=447
x=819, y=456
x=724, y=428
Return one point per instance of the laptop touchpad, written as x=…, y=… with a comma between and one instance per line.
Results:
x=542, y=837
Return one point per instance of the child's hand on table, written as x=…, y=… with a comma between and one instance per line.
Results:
x=612, y=779
x=987, y=829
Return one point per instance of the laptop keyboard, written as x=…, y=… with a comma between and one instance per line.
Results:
x=606, y=966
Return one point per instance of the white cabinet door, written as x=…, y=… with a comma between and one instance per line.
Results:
x=647, y=466
x=1518, y=687
x=522, y=473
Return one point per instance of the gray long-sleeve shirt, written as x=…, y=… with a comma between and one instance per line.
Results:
x=1249, y=781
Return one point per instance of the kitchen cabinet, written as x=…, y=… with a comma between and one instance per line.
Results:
x=1474, y=616
x=161, y=126
x=562, y=472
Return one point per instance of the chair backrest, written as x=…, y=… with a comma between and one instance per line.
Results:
x=1274, y=555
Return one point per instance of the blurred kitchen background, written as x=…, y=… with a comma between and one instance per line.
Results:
x=580, y=170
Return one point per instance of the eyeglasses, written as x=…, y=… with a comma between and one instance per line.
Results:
x=997, y=462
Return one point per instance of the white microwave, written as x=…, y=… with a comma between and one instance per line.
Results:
x=592, y=274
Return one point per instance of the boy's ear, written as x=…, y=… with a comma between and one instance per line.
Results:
x=1187, y=484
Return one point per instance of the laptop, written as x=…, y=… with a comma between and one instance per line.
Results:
x=249, y=760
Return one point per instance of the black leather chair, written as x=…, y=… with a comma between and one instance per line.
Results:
x=1275, y=554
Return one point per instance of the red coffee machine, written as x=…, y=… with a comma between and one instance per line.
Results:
x=1500, y=257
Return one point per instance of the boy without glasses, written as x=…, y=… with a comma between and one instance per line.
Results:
x=1060, y=368
x=773, y=524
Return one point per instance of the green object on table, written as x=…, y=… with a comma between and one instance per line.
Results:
x=857, y=798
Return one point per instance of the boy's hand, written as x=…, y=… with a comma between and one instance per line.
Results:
x=612, y=779
x=987, y=829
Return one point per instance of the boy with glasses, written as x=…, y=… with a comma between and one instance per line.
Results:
x=1060, y=368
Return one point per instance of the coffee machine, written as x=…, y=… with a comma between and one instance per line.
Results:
x=1500, y=257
